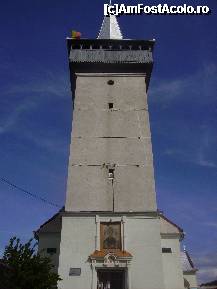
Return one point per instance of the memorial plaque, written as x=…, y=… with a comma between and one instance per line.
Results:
x=74, y=271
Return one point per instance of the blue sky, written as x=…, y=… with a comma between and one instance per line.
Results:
x=35, y=114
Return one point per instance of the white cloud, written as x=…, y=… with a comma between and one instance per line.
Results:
x=210, y=224
x=207, y=274
x=45, y=85
x=198, y=151
x=201, y=83
x=204, y=163
x=207, y=265
x=12, y=118
x=168, y=90
x=49, y=142
x=29, y=94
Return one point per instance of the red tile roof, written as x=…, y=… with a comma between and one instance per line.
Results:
x=103, y=253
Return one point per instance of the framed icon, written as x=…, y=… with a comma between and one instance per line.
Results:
x=110, y=234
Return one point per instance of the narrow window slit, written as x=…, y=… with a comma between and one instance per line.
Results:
x=111, y=174
x=110, y=105
x=51, y=251
x=166, y=250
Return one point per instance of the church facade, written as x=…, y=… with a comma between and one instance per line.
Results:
x=110, y=234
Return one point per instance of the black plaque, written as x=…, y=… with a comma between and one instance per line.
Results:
x=74, y=271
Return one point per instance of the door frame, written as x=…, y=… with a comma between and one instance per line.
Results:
x=124, y=270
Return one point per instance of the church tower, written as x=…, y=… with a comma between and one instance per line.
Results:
x=110, y=166
x=110, y=203
x=110, y=234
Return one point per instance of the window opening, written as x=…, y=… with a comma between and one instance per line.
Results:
x=110, y=105
x=111, y=174
x=110, y=82
x=166, y=250
x=51, y=251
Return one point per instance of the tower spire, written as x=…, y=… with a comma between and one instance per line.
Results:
x=110, y=28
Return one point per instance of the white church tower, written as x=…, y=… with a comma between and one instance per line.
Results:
x=110, y=234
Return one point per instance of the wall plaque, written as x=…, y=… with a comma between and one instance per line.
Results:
x=74, y=271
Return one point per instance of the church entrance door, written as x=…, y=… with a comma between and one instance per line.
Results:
x=111, y=279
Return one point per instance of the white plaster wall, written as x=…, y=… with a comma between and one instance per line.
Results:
x=120, y=136
x=192, y=279
x=134, y=188
x=50, y=240
x=93, y=92
x=131, y=123
x=118, y=151
x=173, y=274
x=77, y=243
x=89, y=189
x=142, y=241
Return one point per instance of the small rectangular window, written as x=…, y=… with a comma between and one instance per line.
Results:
x=110, y=105
x=51, y=250
x=111, y=174
x=166, y=250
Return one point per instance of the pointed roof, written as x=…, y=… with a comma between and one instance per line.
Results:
x=110, y=28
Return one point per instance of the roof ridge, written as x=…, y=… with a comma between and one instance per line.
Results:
x=189, y=259
x=172, y=223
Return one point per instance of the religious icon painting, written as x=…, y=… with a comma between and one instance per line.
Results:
x=110, y=236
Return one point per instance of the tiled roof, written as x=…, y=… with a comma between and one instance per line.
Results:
x=186, y=262
x=52, y=225
x=167, y=226
x=106, y=56
x=103, y=253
